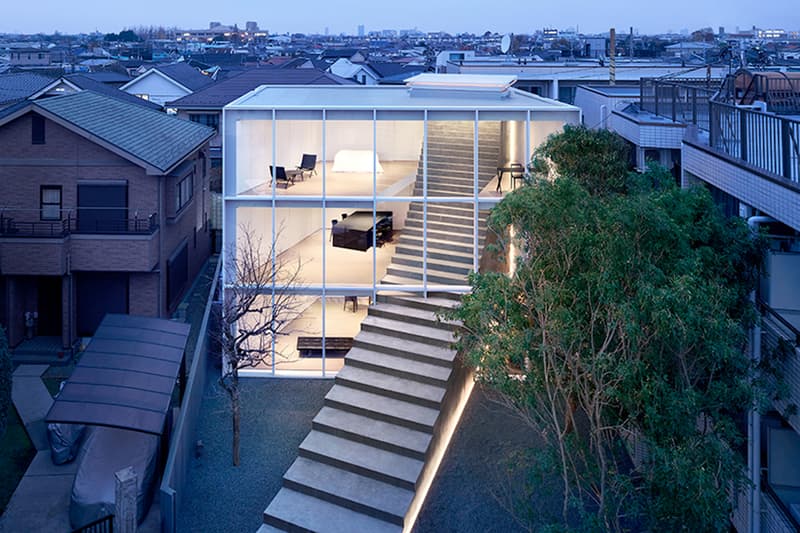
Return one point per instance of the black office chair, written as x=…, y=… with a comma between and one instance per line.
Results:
x=308, y=164
x=333, y=225
x=280, y=176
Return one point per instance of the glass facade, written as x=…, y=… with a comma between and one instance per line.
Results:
x=397, y=200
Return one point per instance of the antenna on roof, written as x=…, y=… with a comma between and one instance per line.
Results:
x=505, y=43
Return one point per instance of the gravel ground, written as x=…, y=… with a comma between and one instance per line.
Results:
x=473, y=477
x=276, y=416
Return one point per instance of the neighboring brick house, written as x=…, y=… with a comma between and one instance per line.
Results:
x=103, y=208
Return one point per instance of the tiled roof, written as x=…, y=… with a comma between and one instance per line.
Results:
x=186, y=75
x=107, y=77
x=386, y=69
x=156, y=138
x=18, y=86
x=225, y=92
x=88, y=84
x=339, y=52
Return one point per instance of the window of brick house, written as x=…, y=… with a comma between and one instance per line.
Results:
x=50, y=202
x=37, y=129
x=184, y=191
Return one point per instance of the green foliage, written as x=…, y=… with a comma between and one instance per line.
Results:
x=626, y=316
x=597, y=159
x=5, y=381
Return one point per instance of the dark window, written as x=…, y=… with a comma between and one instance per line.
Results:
x=177, y=273
x=102, y=208
x=37, y=129
x=184, y=191
x=50, y=202
x=206, y=119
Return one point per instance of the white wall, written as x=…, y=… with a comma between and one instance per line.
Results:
x=542, y=129
x=159, y=89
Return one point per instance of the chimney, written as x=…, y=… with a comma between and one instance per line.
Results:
x=612, y=57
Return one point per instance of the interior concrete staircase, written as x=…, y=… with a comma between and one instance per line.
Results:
x=376, y=444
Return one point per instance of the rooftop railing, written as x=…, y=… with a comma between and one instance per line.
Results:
x=685, y=100
x=28, y=223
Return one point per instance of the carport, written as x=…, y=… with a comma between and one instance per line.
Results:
x=126, y=376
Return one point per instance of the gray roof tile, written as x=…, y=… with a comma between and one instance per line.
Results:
x=221, y=93
x=186, y=75
x=18, y=86
x=157, y=139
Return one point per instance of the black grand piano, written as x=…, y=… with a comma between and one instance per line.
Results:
x=355, y=230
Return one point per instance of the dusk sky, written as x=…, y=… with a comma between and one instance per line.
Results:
x=343, y=16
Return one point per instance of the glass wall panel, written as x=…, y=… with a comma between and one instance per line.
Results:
x=298, y=234
x=299, y=347
x=349, y=252
x=253, y=157
x=349, y=160
x=451, y=159
x=298, y=157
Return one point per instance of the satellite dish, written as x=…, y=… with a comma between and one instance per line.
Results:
x=505, y=43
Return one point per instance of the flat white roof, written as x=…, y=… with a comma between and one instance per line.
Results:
x=386, y=97
x=484, y=82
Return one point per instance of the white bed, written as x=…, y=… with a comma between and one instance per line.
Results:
x=355, y=161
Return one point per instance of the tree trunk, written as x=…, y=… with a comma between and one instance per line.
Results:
x=235, y=411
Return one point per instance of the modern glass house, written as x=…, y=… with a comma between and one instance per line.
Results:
x=372, y=190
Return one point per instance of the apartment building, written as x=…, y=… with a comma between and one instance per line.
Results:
x=740, y=138
x=103, y=209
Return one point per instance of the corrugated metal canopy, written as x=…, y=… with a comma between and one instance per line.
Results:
x=125, y=377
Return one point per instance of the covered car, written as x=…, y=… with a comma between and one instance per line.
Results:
x=105, y=452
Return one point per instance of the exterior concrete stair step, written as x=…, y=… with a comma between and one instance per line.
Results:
x=384, y=435
x=450, y=218
x=441, y=235
x=465, y=227
x=379, y=407
x=362, y=459
x=461, y=269
x=347, y=489
x=391, y=386
x=404, y=330
x=418, y=351
x=434, y=287
x=294, y=511
x=464, y=209
x=399, y=366
x=432, y=275
x=409, y=250
x=430, y=303
x=415, y=315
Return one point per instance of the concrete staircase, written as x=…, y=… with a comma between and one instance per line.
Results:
x=375, y=446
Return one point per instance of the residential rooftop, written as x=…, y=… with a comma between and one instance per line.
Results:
x=150, y=137
x=425, y=91
x=224, y=92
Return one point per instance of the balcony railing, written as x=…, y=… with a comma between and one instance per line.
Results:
x=685, y=100
x=22, y=223
x=767, y=141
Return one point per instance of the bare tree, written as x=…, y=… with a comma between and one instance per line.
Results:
x=258, y=303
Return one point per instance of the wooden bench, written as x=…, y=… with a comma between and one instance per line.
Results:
x=312, y=346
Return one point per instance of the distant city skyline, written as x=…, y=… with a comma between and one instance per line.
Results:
x=345, y=16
